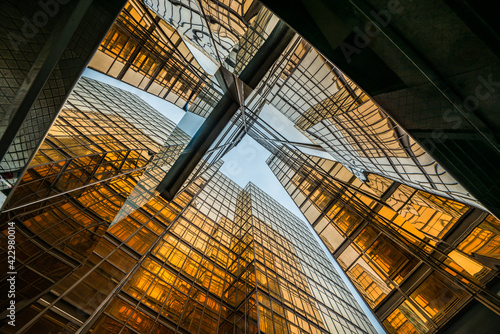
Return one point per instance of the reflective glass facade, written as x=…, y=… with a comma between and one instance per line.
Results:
x=126, y=225
x=145, y=52
x=87, y=166
x=416, y=258
x=100, y=251
x=44, y=47
x=322, y=102
x=338, y=115
x=221, y=269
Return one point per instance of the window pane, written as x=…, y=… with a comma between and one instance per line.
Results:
x=436, y=295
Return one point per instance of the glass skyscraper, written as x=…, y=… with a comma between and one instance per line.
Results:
x=218, y=258
x=416, y=258
x=336, y=114
x=125, y=222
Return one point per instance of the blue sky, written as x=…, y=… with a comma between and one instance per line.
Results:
x=246, y=162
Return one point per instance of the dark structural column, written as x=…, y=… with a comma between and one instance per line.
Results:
x=44, y=47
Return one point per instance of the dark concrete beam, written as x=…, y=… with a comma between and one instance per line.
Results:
x=230, y=102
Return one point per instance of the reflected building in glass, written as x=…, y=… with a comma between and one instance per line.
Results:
x=99, y=146
x=99, y=251
x=226, y=265
x=125, y=224
x=144, y=51
x=420, y=261
x=156, y=45
x=334, y=112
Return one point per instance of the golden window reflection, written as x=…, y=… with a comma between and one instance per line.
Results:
x=347, y=220
x=466, y=266
x=436, y=296
x=370, y=283
x=393, y=260
x=366, y=237
x=125, y=312
x=484, y=239
x=406, y=319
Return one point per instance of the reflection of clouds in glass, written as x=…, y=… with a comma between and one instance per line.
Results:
x=225, y=27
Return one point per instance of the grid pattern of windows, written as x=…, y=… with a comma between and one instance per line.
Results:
x=144, y=51
x=79, y=179
x=22, y=59
x=101, y=250
x=385, y=234
x=156, y=170
x=213, y=26
x=334, y=112
x=217, y=259
x=251, y=41
x=300, y=278
x=226, y=264
x=484, y=240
